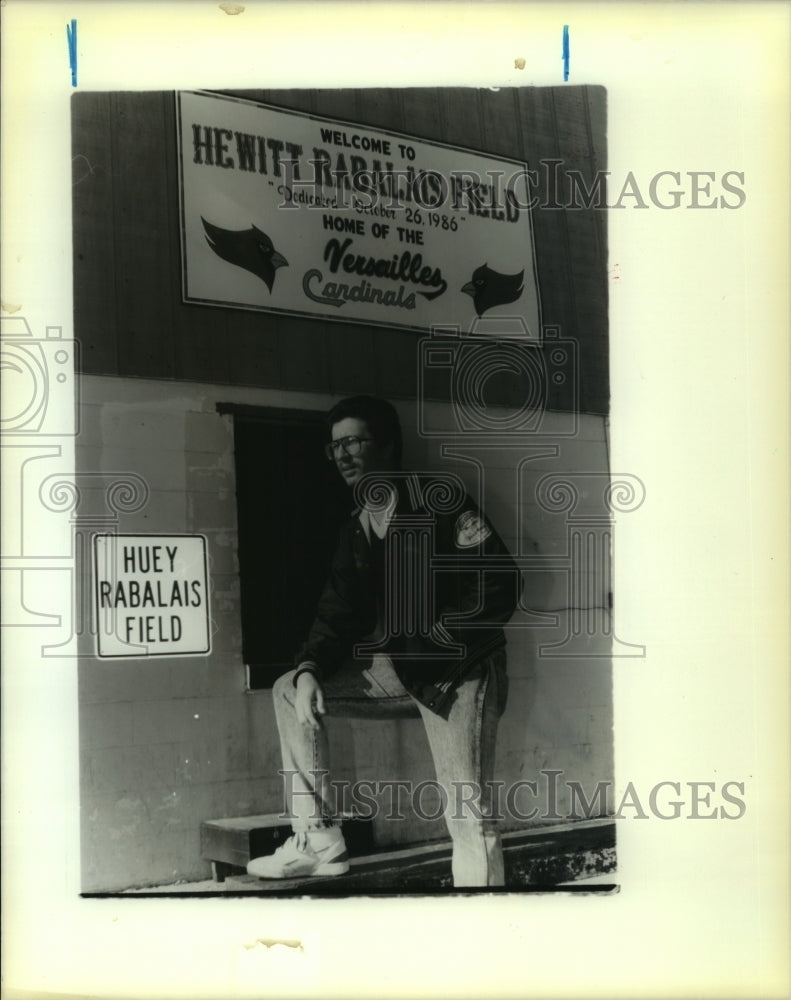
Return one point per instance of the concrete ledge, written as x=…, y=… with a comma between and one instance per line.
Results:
x=568, y=857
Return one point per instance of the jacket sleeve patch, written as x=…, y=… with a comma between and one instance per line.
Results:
x=471, y=529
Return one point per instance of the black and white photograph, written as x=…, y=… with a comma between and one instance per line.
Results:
x=350, y=347
x=395, y=499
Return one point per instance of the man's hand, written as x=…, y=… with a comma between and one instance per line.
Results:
x=309, y=702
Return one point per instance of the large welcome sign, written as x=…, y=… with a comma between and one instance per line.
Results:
x=300, y=214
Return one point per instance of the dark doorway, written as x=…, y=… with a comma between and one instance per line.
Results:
x=290, y=503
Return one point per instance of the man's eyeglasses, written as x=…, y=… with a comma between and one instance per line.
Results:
x=351, y=445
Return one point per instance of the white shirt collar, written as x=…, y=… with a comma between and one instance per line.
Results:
x=381, y=525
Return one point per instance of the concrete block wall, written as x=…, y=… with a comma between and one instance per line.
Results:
x=168, y=743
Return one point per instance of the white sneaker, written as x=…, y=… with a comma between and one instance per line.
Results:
x=319, y=852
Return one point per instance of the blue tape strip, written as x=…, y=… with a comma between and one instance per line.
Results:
x=565, y=52
x=71, y=37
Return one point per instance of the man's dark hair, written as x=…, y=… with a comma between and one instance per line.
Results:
x=380, y=416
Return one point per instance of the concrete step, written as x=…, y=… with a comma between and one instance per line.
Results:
x=577, y=855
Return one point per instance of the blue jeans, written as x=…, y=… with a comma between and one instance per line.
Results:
x=463, y=748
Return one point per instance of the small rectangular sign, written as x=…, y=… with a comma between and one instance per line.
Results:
x=151, y=595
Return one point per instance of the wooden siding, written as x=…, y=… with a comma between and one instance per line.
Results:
x=129, y=314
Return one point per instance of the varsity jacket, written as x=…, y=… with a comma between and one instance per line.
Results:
x=453, y=584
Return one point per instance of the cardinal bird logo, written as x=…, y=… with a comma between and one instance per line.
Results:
x=247, y=248
x=490, y=288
